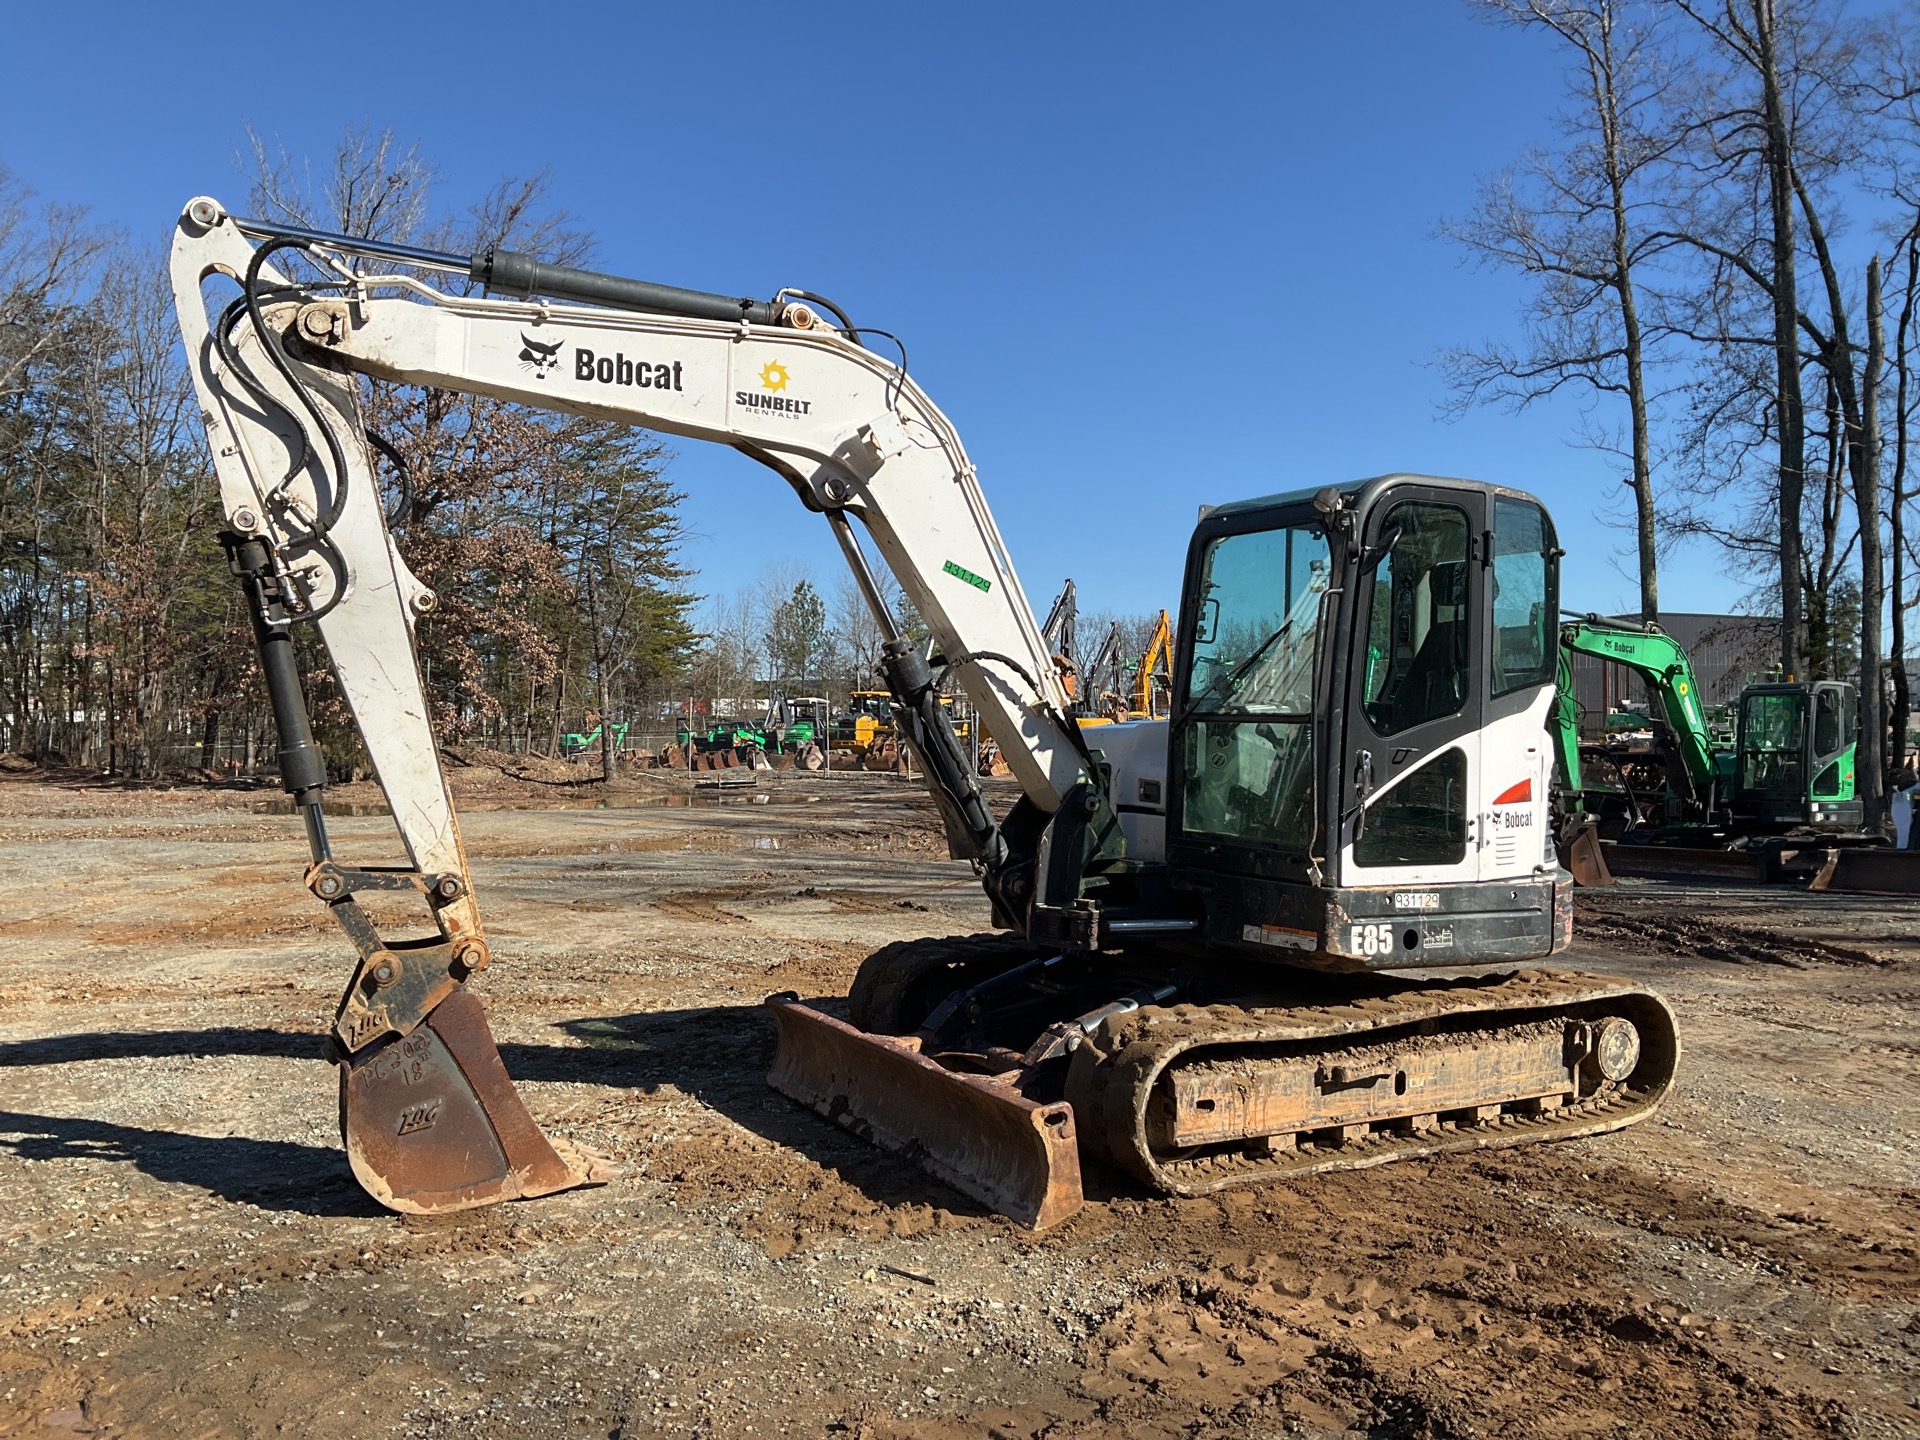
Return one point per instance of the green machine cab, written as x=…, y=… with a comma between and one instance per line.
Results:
x=1794, y=752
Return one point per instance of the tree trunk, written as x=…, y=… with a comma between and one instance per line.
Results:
x=559, y=698
x=1791, y=406
x=1632, y=343
x=609, y=757
x=609, y=763
x=1902, y=369
x=1870, y=769
x=210, y=739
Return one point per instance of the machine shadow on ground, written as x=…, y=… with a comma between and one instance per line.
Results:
x=270, y=1174
x=717, y=1054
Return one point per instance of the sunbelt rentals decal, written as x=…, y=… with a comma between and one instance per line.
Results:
x=770, y=398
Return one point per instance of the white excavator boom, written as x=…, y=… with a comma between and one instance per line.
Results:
x=429, y=1117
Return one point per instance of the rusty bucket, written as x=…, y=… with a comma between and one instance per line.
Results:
x=431, y=1121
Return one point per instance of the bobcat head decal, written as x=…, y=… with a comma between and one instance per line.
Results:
x=537, y=357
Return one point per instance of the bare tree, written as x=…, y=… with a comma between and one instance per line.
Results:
x=48, y=257
x=1787, y=114
x=1576, y=221
x=1903, y=405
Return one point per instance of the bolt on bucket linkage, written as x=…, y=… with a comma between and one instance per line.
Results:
x=428, y=1115
x=431, y=1121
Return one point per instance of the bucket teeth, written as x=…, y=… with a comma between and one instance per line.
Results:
x=432, y=1122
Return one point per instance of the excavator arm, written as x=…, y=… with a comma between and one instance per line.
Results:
x=429, y=1118
x=1155, y=675
x=1659, y=660
x=1662, y=663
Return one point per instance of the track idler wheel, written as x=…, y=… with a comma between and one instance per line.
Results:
x=431, y=1121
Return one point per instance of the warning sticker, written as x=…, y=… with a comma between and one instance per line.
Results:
x=1281, y=935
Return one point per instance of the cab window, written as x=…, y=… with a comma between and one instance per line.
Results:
x=1526, y=599
x=1420, y=821
x=1826, y=723
x=1246, y=747
x=1418, y=628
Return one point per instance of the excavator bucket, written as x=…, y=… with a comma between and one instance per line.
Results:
x=1580, y=852
x=432, y=1123
x=977, y=1133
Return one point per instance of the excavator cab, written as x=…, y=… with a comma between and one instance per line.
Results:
x=1358, y=761
x=1795, y=756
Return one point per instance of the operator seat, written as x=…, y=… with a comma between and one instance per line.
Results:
x=1436, y=680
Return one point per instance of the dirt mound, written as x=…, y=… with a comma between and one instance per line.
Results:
x=478, y=772
x=521, y=767
x=14, y=763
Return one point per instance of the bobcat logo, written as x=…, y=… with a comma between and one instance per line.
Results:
x=537, y=357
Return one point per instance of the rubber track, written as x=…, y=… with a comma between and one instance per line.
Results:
x=1114, y=1075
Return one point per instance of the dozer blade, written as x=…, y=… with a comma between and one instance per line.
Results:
x=976, y=1133
x=431, y=1121
x=1869, y=870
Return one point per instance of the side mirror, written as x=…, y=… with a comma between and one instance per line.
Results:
x=1389, y=537
x=1208, y=621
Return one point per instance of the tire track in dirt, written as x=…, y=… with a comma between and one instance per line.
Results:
x=704, y=907
x=1746, y=945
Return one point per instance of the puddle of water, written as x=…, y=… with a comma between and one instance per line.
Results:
x=355, y=810
x=285, y=806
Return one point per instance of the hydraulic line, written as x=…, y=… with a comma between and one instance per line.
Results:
x=303, y=769
x=337, y=503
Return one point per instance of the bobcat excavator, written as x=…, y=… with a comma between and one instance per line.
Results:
x=1211, y=927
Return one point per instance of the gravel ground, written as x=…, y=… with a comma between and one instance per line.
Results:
x=183, y=1252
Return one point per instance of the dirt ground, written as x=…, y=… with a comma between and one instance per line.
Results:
x=184, y=1254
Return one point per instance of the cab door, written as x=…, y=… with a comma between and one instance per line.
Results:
x=1413, y=762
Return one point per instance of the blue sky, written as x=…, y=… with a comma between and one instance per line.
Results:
x=1145, y=257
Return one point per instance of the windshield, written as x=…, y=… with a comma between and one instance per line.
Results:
x=1259, y=604
x=1773, y=730
x=1774, y=723
x=1246, y=749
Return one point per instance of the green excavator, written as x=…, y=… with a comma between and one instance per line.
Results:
x=1790, y=771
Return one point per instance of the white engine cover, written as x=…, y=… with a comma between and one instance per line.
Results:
x=1134, y=755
